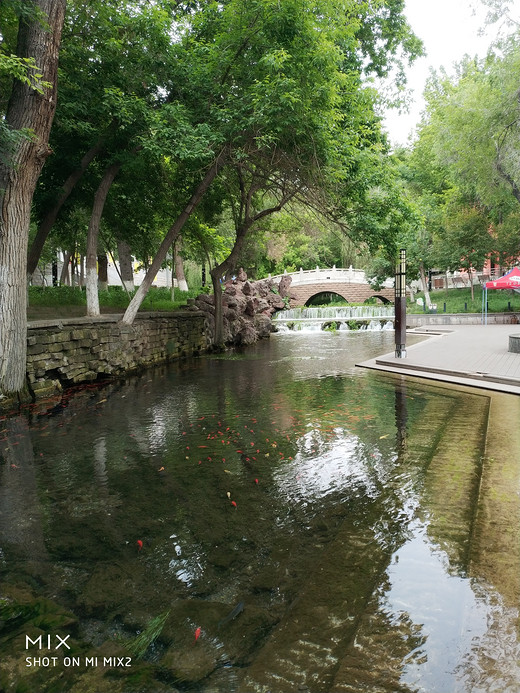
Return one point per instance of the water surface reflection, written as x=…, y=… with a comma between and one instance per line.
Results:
x=322, y=526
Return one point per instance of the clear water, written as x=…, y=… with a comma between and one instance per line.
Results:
x=326, y=528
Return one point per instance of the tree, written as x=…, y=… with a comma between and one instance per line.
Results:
x=179, y=265
x=114, y=65
x=93, y=235
x=471, y=137
x=467, y=239
x=28, y=110
x=272, y=88
x=170, y=238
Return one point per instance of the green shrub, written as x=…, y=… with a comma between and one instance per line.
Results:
x=57, y=295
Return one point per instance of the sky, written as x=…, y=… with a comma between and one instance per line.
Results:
x=449, y=29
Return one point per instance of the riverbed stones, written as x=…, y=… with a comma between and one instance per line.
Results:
x=190, y=664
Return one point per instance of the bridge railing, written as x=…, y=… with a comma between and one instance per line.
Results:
x=334, y=274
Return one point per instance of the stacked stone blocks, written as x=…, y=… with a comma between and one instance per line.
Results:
x=69, y=352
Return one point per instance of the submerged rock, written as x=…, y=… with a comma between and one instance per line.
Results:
x=190, y=664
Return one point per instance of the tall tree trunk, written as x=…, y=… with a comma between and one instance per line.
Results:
x=218, y=334
x=82, y=270
x=65, y=276
x=125, y=265
x=93, y=235
x=74, y=274
x=216, y=275
x=220, y=270
x=182, y=284
x=424, y=283
x=18, y=177
x=173, y=232
x=49, y=219
x=102, y=261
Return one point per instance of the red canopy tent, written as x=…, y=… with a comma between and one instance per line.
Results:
x=511, y=280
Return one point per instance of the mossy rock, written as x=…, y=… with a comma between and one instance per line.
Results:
x=110, y=586
x=192, y=663
x=244, y=635
x=20, y=608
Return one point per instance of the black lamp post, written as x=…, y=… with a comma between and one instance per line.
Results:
x=400, y=306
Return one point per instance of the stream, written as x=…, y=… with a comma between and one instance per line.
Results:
x=268, y=520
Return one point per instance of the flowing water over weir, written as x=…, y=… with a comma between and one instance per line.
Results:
x=267, y=521
x=335, y=318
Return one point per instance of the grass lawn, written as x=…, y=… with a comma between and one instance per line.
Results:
x=71, y=302
x=459, y=301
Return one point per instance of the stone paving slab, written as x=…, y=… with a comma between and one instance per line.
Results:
x=473, y=355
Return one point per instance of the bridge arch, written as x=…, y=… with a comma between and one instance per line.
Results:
x=324, y=295
x=384, y=299
x=352, y=293
x=327, y=295
x=351, y=284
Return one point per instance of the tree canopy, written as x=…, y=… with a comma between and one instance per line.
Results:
x=172, y=113
x=462, y=174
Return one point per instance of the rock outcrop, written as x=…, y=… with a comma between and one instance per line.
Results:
x=247, y=307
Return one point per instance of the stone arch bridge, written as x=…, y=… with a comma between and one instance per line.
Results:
x=351, y=284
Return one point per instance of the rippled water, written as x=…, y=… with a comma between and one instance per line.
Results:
x=268, y=520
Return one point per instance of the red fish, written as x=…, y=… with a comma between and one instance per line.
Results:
x=139, y=544
x=197, y=634
x=234, y=504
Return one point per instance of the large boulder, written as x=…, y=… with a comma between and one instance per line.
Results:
x=262, y=306
x=283, y=286
x=230, y=289
x=247, y=335
x=247, y=307
x=263, y=287
x=250, y=309
x=263, y=326
x=204, y=299
x=230, y=313
x=248, y=289
x=276, y=301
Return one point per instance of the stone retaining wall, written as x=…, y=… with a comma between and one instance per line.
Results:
x=61, y=353
x=419, y=319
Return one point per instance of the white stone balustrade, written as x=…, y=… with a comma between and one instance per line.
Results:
x=333, y=275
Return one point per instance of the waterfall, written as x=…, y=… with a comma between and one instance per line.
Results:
x=334, y=318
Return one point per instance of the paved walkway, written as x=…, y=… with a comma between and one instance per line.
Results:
x=474, y=355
